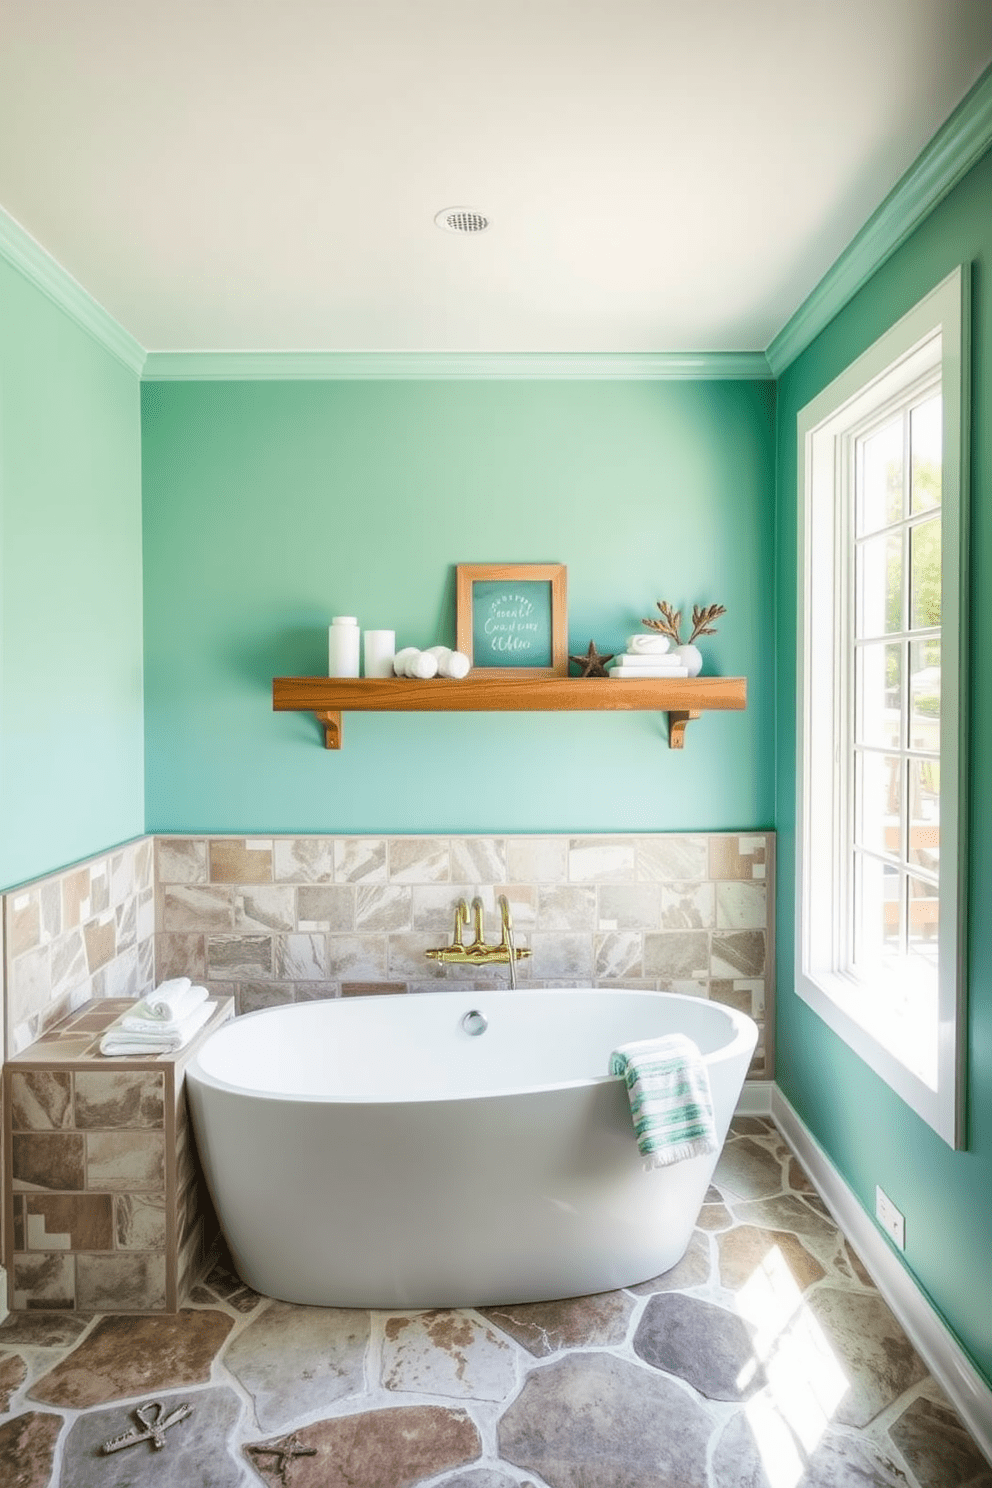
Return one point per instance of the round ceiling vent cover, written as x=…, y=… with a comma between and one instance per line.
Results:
x=462, y=220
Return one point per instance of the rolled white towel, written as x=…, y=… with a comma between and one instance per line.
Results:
x=166, y=1007
x=637, y=645
x=450, y=663
x=411, y=662
x=119, y=1041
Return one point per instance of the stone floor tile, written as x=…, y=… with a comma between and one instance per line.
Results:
x=13, y=1373
x=850, y=1263
x=596, y=1421
x=937, y=1448
x=226, y=1284
x=43, y=1329
x=797, y=1177
x=786, y=1212
x=481, y=1477
x=293, y=1360
x=748, y=1171
x=707, y=1346
x=196, y=1450
x=691, y=1271
x=126, y=1356
x=751, y=1126
x=871, y=1348
x=27, y=1449
x=578, y=1322
x=714, y=1217
x=759, y=1450
x=747, y=1251
x=374, y=1449
x=447, y=1353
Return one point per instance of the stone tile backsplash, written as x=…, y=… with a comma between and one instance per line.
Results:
x=283, y=919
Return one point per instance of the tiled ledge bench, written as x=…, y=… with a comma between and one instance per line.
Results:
x=103, y=1194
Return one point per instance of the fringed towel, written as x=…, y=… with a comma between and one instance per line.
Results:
x=670, y=1102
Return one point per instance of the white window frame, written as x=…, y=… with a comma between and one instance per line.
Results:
x=933, y=335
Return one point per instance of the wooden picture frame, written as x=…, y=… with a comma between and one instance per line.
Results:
x=512, y=618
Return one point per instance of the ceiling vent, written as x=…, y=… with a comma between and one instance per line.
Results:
x=461, y=220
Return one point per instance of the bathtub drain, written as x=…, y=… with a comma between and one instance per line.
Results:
x=475, y=1023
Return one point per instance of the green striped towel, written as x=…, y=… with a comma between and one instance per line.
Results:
x=670, y=1102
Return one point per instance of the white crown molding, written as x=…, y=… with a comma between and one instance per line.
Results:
x=958, y=145
x=420, y=366
x=39, y=267
x=926, y=1329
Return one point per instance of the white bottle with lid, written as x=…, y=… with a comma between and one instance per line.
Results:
x=343, y=646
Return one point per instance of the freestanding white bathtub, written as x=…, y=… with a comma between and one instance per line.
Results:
x=373, y=1152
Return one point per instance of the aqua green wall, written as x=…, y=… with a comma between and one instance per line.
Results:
x=71, y=725
x=269, y=507
x=871, y=1136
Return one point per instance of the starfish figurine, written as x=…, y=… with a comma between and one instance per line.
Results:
x=592, y=664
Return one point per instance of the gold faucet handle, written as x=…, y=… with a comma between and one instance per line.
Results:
x=461, y=920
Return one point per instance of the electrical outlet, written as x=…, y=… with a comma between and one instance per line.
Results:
x=889, y=1217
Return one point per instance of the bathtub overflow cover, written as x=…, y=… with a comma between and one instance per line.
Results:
x=475, y=1023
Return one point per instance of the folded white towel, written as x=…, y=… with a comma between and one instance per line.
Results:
x=450, y=663
x=633, y=659
x=119, y=1041
x=166, y=1007
x=641, y=643
x=634, y=673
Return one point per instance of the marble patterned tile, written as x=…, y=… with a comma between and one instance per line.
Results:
x=566, y=907
x=537, y=860
x=44, y=1280
x=300, y=957
x=48, y=1161
x=252, y=997
x=383, y=908
x=325, y=907
x=600, y=860
x=303, y=860
x=618, y=954
x=738, y=953
x=629, y=907
x=99, y=886
x=406, y=961
x=688, y=906
x=679, y=954
x=196, y=907
x=30, y=982
x=76, y=900
x=419, y=860
x=120, y=1283
x=112, y=1098
x=126, y=1160
x=126, y=923
x=40, y=1100
x=478, y=860
x=140, y=1221
x=267, y=907
x=671, y=858
x=23, y=921
x=356, y=957
x=50, y=895
x=245, y=860
x=121, y=976
x=360, y=860
x=741, y=905
x=562, y=956
x=181, y=860
x=70, y=958
x=178, y=954
x=231, y=958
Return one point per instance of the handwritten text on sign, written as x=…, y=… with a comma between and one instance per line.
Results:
x=511, y=624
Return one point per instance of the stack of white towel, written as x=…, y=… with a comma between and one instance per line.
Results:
x=647, y=656
x=160, y=1023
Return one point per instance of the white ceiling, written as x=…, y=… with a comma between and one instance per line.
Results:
x=660, y=176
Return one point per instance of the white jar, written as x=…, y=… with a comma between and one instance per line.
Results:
x=380, y=648
x=343, y=646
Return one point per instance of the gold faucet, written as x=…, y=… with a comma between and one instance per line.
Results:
x=478, y=953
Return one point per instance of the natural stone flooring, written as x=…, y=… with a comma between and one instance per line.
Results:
x=766, y=1359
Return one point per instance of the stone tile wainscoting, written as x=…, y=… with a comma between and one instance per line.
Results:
x=105, y=1202
x=281, y=919
x=82, y=933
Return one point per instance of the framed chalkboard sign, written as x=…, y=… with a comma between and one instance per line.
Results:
x=512, y=618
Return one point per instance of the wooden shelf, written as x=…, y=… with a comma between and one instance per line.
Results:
x=682, y=698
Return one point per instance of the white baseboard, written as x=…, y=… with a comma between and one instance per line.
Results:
x=927, y=1331
x=756, y=1098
